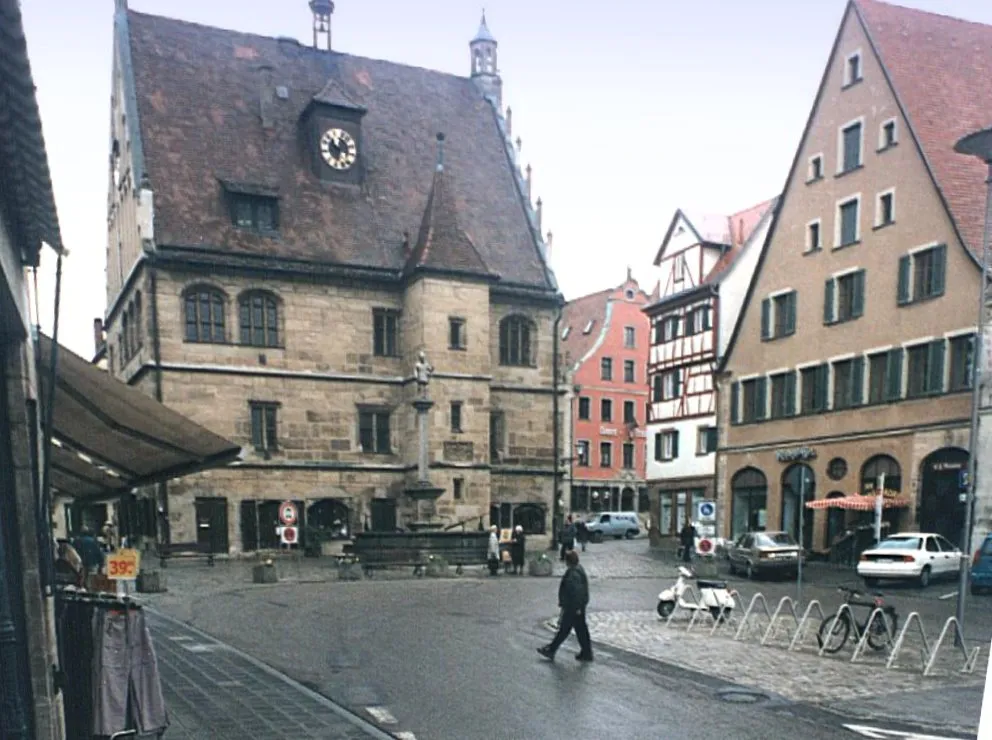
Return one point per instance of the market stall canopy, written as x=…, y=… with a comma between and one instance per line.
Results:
x=858, y=502
x=109, y=437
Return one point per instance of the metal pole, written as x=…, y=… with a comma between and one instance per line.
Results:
x=802, y=519
x=977, y=358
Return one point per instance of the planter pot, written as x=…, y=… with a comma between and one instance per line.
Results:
x=151, y=582
x=264, y=574
x=539, y=567
x=350, y=572
x=436, y=569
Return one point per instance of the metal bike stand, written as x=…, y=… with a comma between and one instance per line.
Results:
x=913, y=618
x=757, y=600
x=804, y=621
x=785, y=602
x=678, y=604
x=970, y=658
x=833, y=623
x=725, y=620
x=859, y=650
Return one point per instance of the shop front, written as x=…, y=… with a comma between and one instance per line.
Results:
x=674, y=502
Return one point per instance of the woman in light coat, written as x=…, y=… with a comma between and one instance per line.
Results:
x=493, y=551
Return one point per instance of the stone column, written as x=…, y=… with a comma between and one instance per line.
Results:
x=422, y=405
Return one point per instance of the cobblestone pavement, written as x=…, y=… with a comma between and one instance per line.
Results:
x=216, y=693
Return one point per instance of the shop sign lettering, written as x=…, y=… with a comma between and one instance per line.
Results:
x=795, y=453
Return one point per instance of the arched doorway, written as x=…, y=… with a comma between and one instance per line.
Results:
x=627, y=500
x=940, y=510
x=749, y=503
x=531, y=517
x=330, y=518
x=836, y=520
x=798, y=482
x=871, y=471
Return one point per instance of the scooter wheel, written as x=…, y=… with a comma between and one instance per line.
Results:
x=665, y=608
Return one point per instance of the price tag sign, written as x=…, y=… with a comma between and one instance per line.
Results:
x=123, y=565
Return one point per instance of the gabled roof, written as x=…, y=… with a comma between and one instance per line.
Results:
x=743, y=226
x=715, y=230
x=441, y=244
x=577, y=314
x=200, y=128
x=939, y=68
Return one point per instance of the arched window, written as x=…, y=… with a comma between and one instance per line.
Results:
x=516, y=342
x=204, y=315
x=749, y=488
x=531, y=517
x=259, y=319
x=877, y=465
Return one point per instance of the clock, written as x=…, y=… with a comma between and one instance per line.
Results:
x=338, y=148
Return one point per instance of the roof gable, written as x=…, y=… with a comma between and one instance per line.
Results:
x=932, y=62
x=748, y=225
x=199, y=128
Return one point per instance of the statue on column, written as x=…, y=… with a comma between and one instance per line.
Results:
x=423, y=372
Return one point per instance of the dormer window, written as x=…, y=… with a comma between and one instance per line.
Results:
x=588, y=327
x=255, y=212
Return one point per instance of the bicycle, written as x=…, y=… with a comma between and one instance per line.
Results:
x=880, y=634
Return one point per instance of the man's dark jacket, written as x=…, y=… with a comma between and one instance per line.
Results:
x=573, y=591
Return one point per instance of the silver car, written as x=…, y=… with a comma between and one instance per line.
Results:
x=761, y=553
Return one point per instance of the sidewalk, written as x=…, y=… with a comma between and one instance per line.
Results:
x=214, y=692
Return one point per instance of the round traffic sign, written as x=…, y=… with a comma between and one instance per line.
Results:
x=705, y=546
x=707, y=509
x=289, y=535
x=287, y=513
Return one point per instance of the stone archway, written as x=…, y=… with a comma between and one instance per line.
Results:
x=330, y=518
x=939, y=509
x=798, y=487
x=749, y=501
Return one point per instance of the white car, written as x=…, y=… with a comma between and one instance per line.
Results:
x=915, y=556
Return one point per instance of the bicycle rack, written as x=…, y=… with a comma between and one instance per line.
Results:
x=970, y=658
x=801, y=629
x=717, y=621
x=833, y=623
x=758, y=598
x=784, y=602
x=722, y=621
x=860, y=648
x=678, y=604
x=914, y=618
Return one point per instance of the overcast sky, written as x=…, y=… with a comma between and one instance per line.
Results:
x=627, y=109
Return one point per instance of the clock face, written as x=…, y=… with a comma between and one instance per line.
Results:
x=338, y=148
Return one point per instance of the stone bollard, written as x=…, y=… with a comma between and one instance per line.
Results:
x=264, y=573
x=540, y=566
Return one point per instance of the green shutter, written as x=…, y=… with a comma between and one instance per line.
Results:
x=675, y=444
x=822, y=384
x=893, y=375
x=766, y=318
x=761, y=398
x=858, y=302
x=935, y=367
x=790, y=314
x=735, y=395
x=939, y=269
x=902, y=295
x=828, y=301
x=858, y=381
x=790, y=394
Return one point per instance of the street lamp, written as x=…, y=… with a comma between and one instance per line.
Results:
x=977, y=144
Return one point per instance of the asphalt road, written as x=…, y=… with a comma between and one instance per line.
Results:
x=456, y=659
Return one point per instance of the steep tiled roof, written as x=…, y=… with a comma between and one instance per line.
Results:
x=198, y=97
x=742, y=225
x=939, y=67
x=575, y=316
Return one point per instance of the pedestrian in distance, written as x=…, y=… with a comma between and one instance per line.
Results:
x=518, y=547
x=567, y=537
x=687, y=538
x=573, y=599
x=582, y=534
x=493, y=550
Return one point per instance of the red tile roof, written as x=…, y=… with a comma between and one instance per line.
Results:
x=940, y=68
x=577, y=314
x=742, y=226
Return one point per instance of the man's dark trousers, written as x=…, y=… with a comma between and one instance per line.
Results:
x=572, y=619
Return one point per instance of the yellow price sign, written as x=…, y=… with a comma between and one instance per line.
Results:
x=123, y=565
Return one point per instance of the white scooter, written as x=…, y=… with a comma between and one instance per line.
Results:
x=713, y=595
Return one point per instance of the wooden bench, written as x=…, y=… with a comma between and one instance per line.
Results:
x=184, y=550
x=413, y=549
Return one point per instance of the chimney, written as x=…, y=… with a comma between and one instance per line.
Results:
x=528, y=181
x=539, y=205
x=509, y=121
x=98, y=340
x=266, y=96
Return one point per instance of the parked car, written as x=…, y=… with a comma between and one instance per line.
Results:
x=615, y=524
x=761, y=553
x=981, y=567
x=919, y=556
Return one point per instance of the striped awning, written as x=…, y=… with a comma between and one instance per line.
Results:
x=859, y=503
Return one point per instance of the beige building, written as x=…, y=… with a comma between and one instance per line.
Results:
x=288, y=228
x=854, y=353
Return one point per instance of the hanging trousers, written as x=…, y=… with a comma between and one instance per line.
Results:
x=125, y=662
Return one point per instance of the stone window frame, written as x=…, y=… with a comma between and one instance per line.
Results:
x=217, y=297
x=386, y=312
x=264, y=426
x=457, y=339
x=884, y=143
x=841, y=160
x=456, y=416
x=272, y=337
x=815, y=168
x=842, y=203
x=377, y=410
x=853, y=73
x=526, y=349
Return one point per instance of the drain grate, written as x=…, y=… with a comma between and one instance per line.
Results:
x=742, y=696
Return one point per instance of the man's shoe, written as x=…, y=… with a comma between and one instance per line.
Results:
x=545, y=652
x=584, y=658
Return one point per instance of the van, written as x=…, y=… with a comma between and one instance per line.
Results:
x=615, y=524
x=981, y=567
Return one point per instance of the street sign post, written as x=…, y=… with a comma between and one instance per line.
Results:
x=287, y=513
x=706, y=511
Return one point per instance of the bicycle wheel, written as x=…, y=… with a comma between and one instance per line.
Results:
x=878, y=636
x=833, y=639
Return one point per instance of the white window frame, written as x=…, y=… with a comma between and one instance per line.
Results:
x=588, y=326
x=960, y=333
x=837, y=219
x=566, y=332
x=701, y=437
x=678, y=269
x=667, y=437
x=668, y=388
x=878, y=207
x=672, y=319
x=809, y=167
x=819, y=223
x=840, y=143
x=578, y=457
x=882, y=146
x=847, y=67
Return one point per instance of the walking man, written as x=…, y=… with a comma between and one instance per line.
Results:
x=687, y=539
x=573, y=598
x=567, y=537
